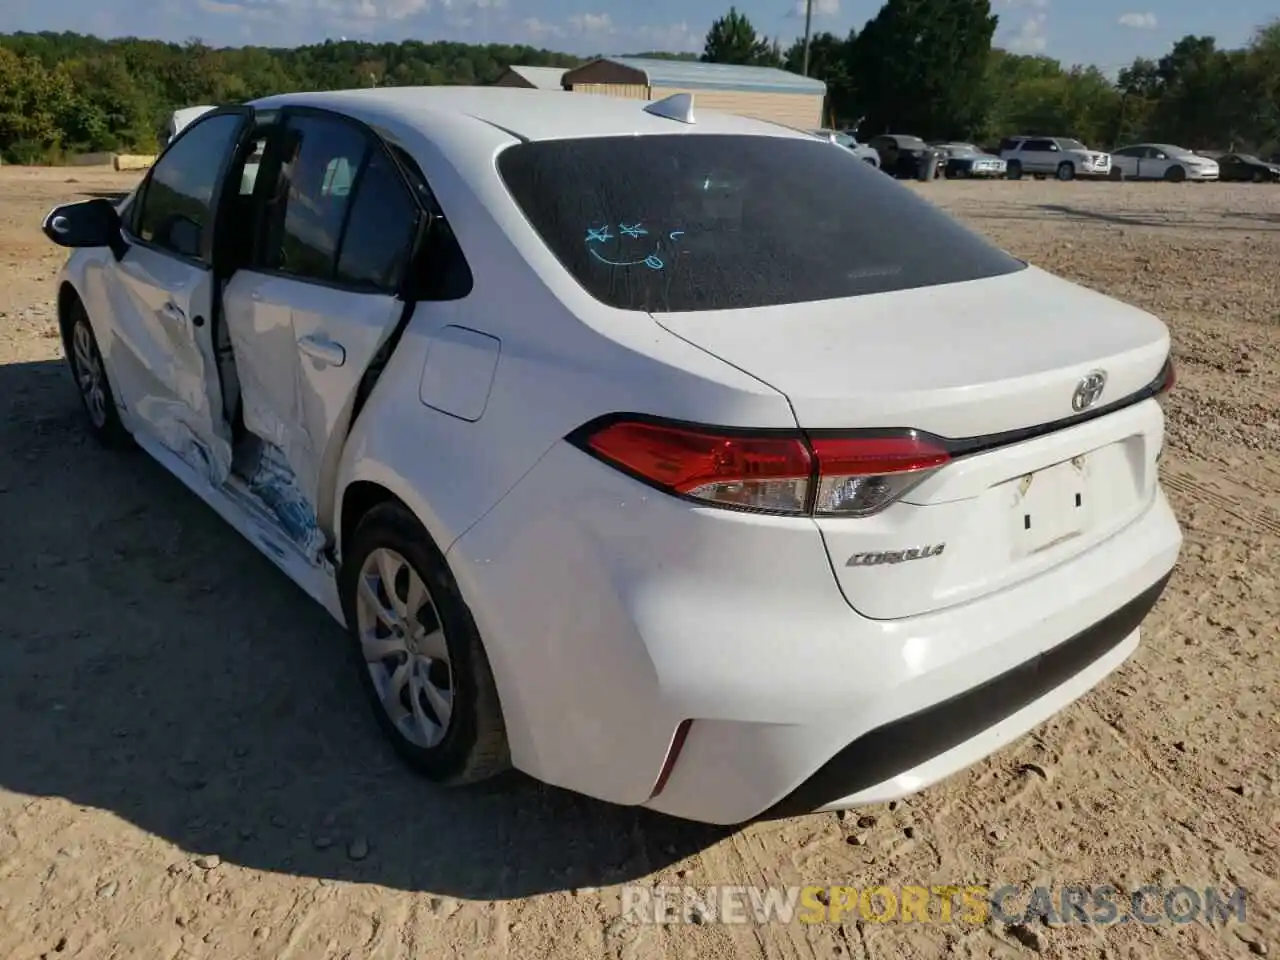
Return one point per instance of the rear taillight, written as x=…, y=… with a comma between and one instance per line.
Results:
x=782, y=473
x=753, y=473
x=859, y=476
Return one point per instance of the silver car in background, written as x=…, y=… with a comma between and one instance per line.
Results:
x=850, y=143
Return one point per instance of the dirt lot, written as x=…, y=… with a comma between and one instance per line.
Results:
x=186, y=769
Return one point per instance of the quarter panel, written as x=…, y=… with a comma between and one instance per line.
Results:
x=553, y=375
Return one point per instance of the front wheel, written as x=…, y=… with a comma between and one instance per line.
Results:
x=90, y=373
x=420, y=658
x=1066, y=171
x=1175, y=174
x=1259, y=176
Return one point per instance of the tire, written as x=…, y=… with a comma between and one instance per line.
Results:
x=1066, y=171
x=1014, y=170
x=1175, y=174
x=1259, y=176
x=89, y=373
x=390, y=543
x=1116, y=174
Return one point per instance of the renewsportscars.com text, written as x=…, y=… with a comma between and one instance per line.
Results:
x=972, y=904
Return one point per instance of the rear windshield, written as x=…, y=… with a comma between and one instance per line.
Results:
x=677, y=223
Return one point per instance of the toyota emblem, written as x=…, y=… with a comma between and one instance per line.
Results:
x=1088, y=390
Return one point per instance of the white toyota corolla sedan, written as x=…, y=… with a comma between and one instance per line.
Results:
x=673, y=458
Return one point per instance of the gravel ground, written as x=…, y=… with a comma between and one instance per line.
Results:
x=187, y=769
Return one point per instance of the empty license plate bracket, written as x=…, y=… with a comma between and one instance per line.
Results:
x=1051, y=506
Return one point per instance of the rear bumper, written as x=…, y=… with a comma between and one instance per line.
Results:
x=732, y=772
x=898, y=753
x=612, y=615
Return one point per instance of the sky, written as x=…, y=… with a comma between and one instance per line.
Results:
x=1108, y=33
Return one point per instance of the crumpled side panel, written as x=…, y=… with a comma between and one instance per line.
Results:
x=170, y=379
x=171, y=423
x=265, y=347
x=274, y=483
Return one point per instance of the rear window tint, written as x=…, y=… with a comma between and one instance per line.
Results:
x=677, y=223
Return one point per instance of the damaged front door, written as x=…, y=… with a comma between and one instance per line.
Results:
x=308, y=316
x=162, y=290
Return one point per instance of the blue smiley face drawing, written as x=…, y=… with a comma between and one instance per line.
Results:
x=631, y=246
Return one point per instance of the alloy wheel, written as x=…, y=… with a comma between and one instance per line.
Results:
x=404, y=646
x=90, y=377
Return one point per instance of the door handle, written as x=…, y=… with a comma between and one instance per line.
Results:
x=324, y=350
x=173, y=312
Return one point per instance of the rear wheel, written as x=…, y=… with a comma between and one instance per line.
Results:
x=1066, y=171
x=1175, y=174
x=420, y=658
x=1014, y=170
x=90, y=373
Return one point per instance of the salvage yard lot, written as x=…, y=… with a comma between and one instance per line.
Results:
x=187, y=768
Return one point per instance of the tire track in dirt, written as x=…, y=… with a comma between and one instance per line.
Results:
x=1259, y=517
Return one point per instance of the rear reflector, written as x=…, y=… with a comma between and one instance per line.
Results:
x=780, y=473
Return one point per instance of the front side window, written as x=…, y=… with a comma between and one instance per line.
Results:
x=677, y=223
x=175, y=211
x=306, y=211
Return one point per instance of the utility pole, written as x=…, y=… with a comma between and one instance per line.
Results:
x=808, y=23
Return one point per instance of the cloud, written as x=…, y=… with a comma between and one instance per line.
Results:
x=594, y=24
x=1031, y=36
x=222, y=9
x=540, y=30
x=1138, y=21
x=821, y=8
x=674, y=38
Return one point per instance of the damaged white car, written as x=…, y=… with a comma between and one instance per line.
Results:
x=632, y=446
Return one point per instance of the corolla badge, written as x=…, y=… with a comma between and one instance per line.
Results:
x=877, y=557
x=1088, y=390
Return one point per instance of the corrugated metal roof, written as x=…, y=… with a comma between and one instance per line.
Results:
x=694, y=75
x=544, y=78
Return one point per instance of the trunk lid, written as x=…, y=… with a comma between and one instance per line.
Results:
x=962, y=361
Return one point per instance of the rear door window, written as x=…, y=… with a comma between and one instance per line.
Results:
x=380, y=227
x=677, y=223
x=309, y=204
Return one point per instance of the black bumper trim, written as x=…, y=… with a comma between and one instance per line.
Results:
x=909, y=741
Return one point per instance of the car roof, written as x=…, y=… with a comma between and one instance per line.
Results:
x=521, y=113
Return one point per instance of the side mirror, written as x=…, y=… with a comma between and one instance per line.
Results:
x=89, y=223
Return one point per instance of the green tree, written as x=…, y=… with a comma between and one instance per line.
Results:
x=919, y=66
x=33, y=103
x=732, y=39
x=829, y=57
